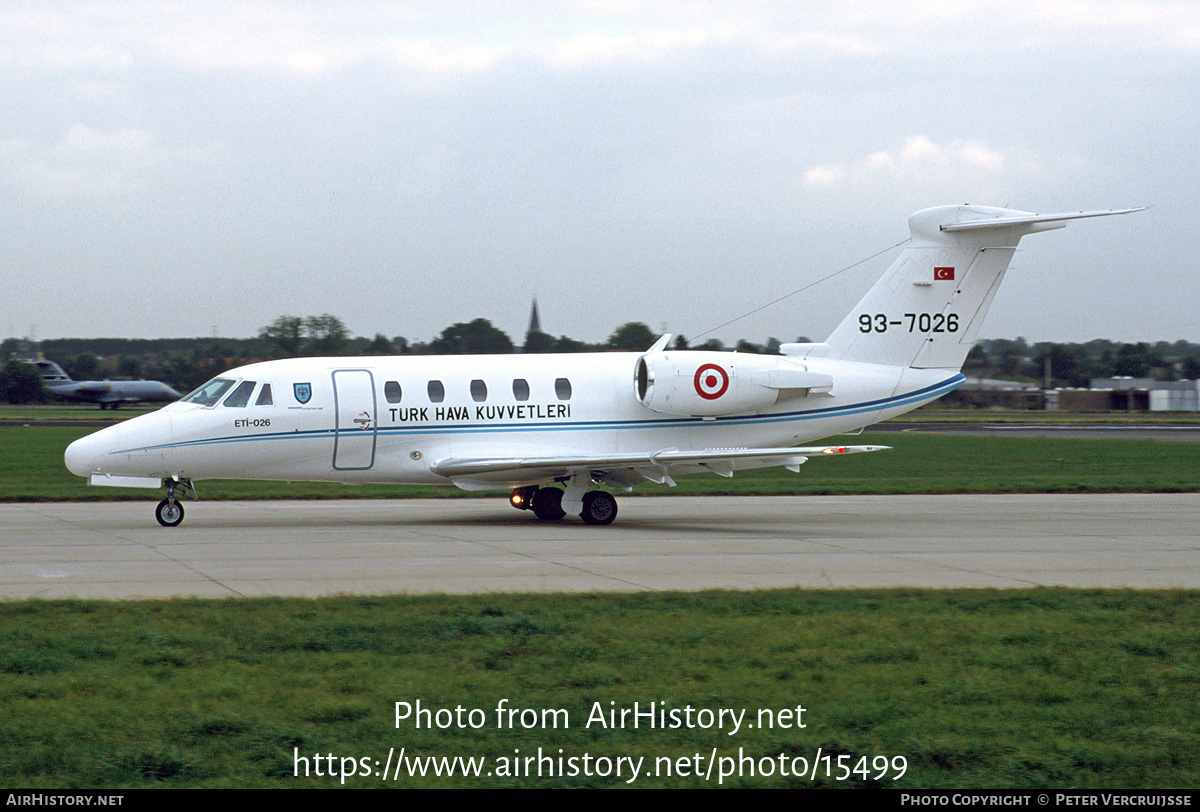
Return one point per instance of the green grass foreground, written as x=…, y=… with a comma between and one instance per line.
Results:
x=971, y=688
x=31, y=469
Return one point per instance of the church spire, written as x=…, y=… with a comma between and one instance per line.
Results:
x=535, y=324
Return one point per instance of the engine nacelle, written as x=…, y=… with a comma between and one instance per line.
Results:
x=709, y=384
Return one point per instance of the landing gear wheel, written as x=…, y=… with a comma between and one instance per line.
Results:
x=169, y=513
x=547, y=504
x=598, y=508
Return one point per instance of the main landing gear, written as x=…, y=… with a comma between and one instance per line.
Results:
x=597, y=507
x=169, y=511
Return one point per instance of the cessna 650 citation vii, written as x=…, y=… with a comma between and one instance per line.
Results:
x=529, y=422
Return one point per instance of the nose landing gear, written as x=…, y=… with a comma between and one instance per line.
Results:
x=169, y=511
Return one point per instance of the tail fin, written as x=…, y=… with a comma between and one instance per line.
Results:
x=51, y=372
x=926, y=311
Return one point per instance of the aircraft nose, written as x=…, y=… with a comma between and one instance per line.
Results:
x=83, y=457
x=130, y=448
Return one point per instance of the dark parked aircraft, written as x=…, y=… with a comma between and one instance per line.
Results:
x=109, y=394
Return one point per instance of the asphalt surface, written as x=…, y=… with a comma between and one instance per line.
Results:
x=312, y=548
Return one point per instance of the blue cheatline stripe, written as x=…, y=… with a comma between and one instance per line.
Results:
x=916, y=396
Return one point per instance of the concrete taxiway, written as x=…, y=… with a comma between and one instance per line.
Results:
x=227, y=549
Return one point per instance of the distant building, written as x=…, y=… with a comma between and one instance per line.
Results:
x=1098, y=400
x=1104, y=395
x=989, y=393
x=1162, y=396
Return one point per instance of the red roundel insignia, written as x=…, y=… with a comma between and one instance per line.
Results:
x=711, y=381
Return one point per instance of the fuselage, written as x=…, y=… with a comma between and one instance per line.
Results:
x=393, y=418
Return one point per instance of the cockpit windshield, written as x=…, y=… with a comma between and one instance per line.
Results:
x=241, y=395
x=210, y=393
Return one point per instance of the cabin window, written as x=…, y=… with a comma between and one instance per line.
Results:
x=437, y=392
x=391, y=391
x=521, y=389
x=264, y=397
x=210, y=393
x=478, y=391
x=562, y=388
x=241, y=396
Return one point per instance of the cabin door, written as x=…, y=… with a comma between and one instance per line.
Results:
x=354, y=409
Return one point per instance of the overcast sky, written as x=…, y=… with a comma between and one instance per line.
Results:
x=175, y=169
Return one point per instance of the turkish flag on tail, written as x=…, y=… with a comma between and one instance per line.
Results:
x=940, y=274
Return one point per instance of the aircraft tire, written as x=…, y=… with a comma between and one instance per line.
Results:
x=169, y=513
x=599, y=508
x=547, y=504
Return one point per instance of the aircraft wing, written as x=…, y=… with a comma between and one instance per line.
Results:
x=625, y=470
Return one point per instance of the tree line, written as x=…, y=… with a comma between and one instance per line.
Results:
x=1075, y=365
x=185, y=363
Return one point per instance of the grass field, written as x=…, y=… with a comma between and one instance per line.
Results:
x=1020, y=689
x=56, y=413
x=932, y=414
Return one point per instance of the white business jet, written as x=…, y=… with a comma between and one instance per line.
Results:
x=532, y=422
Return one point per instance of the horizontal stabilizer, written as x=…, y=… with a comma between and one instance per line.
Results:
x=1033, y=219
